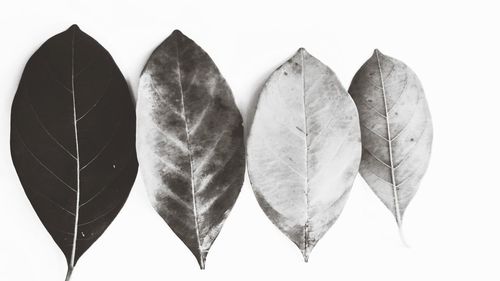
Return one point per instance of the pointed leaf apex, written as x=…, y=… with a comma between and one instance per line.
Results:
x=177, y=35
x=201, y=258
x=306, y=258
x=302, y=50
x=74, y=27
x=177, y=32
x=377, y=52
x=201, y=262
x=305, y=254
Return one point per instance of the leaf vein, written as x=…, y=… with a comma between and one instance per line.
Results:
x=42, y=164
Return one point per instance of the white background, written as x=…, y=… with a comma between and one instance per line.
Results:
x=452, y=224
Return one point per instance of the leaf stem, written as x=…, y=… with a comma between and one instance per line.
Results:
x=68, y=274
x=402, y=236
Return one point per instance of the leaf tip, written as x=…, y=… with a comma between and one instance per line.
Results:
x=177, y=35
x=306, y=258
x=377, y=53
x=305, y=254
x=201, y=259
x=177, y=32
x=302, y=50
x=201, y=262
x=74, y=27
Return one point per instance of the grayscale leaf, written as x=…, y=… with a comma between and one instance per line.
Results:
x=73, y=140
x=189, y=142
x=396, y=130
x=304, y=149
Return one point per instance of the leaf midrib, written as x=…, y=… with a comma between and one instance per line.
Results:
x=188, y=144
x=389, y=141
x=75, y=122
x=306, y=152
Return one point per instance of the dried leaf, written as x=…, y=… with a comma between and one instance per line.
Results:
x=304, y=149
x=72, y=139
x=190, y=142
x=396, y=130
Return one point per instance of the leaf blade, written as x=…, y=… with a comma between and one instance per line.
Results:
x=305, y=130
x=44, y=127
x=407, y=125
x=190, y=142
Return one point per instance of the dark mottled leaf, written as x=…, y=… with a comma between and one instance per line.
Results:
x=190, y=142
x=304, y=149
x=396, y=130
x=72, y=139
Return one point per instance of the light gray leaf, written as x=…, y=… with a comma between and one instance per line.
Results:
x=189, y=142
x=396, y=130
x=304, y=149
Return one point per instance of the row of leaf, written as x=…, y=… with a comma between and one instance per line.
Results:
x=73, y=141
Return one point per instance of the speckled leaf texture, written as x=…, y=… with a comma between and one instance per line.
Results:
x=190, y=142
x=72, y=139
x=396, y=130
x=304, y=149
